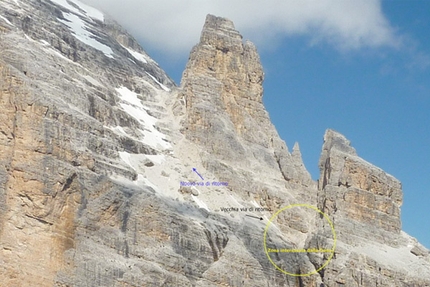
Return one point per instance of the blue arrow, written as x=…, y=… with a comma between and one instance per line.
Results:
x=194, y=169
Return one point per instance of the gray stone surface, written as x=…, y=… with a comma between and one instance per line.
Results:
x=93, y=150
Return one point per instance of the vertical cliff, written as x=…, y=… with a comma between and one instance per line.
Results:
x=224, y=112
x=364, y=204
x=111, y=175
x=357, y=193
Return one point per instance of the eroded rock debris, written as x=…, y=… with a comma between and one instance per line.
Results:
x=96, y=139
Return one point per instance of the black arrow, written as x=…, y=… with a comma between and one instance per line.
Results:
x=261, y=218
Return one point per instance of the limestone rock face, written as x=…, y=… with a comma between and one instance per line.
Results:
x=64, y=125
x=222, y=88
x=100, y=152
x=364, y=204
x=356, y=192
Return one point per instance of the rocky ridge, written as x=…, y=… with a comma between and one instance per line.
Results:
x=96, y=139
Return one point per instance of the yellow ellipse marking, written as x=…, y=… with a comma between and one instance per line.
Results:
x=300, y=250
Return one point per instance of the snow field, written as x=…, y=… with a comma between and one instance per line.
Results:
x=80, y=30
x=133, y=106
x=160, y=84
x=200, y=203
x=138, y=56
x=89, y=12
x=6, y=20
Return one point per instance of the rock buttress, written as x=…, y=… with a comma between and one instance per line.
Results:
x=363, y=203
x=356, y=191
x=222, y=88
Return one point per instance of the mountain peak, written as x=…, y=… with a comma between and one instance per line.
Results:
x=220, y=33
x=219, y=25
x=224, y=76
x=221, y=53
x=335, y=140
x=109, y=172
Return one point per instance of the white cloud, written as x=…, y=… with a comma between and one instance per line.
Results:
x=174, y=26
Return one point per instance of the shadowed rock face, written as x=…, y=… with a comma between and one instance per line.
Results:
x=94, y=145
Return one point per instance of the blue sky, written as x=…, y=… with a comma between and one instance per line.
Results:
x=359, y=67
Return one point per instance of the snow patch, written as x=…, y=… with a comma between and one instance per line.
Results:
x=69, y=7
x=154, y=138
x=7, y=21
x=138, y=182
x=200, y=203
x=138, y=56
x=118, y=130
x=184, y=100
x=44, y=43
x=141, y=178
x=160, y=84
x=271, y=223
x=255, y=203
x=129, y=96
x=58, y=54
x=125, y=157
x=92, y=81
x=81, y=32
x=389, y=256
x=132, y=105
x=83, y=10
x=90, y=11
x=138, y=113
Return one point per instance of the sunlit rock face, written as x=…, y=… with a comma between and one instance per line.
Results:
x=96, y=139
x=358, y=191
